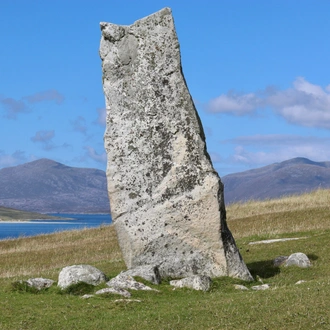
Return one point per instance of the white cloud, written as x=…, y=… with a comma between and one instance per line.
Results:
x=276, y=139
x=101, y=116
x=208, y=131
x=13, y=107
x=237, y=104
x=48, y=95
x=215, y=157
x=45, y=138
x=6, y=160
x=79, y=125
x=91, y=153
x=260, y=150
x=304, y=104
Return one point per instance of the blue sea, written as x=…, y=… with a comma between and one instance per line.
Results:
x=37, y=227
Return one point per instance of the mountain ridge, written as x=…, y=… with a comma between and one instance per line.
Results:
x=293, y=176
x=47, y=186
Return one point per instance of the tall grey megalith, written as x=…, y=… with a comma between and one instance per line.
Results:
x=166, y=198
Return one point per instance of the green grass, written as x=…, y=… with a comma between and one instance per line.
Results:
x=284, y=306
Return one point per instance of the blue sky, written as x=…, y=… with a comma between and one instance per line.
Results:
x=257, y=70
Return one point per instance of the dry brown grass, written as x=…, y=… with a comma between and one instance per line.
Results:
x=315, y=199
x=48, y=253
x=301, y=213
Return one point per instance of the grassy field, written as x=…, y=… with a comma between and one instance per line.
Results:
x=285, y=306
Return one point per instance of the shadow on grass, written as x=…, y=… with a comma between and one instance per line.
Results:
x=264, y=269
x=312, y=256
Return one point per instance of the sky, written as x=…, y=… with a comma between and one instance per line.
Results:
x=257, y=72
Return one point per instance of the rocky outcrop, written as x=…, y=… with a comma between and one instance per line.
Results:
x=80, y=273
x=147, y=272
x=279, y=261
x=39, y=283
x=166, y=198
x=124, y=281
x=298, y=259
x=196, y=282
x=114, y=290
x=261, y=287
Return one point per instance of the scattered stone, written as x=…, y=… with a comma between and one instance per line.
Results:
x=240, y=287
x=197, y=282
x=279, y=261
x=298, y=259
x=39, y=283
x=80, y=273
x=114, y=290
x=300, y=282
x=148, y=272
x=166, y=198
x=260, y=287
x=87, y=296
x=125, y=281
x=127, y=300
x=275, y=240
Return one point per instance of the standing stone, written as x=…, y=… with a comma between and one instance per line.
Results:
x=166, y=198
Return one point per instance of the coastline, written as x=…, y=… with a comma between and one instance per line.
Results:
x=16, y=228
x=63, y=220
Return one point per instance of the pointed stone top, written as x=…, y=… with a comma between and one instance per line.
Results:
x=160, y=13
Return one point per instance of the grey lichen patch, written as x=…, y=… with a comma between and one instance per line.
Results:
x=132, y=195
x=112, y=32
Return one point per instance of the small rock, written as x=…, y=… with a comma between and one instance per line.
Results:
x=127, y=300
x=80, y=273
x=147, y=272
x=279, y=261
x=39, y=283
x=298, y=259
x=240, y=287
x=276, y=240
x=299, y=282
x=125, y=281
x=261, y=287
x=87, y=296
x=112, y=290
x=196, y=282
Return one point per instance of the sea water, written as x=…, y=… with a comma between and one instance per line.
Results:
x=37, y=227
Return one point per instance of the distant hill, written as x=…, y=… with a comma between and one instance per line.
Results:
x=294, y=176
x=47, y=186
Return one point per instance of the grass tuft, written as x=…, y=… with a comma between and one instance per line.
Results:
x=78, y=289
x=23, y=287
